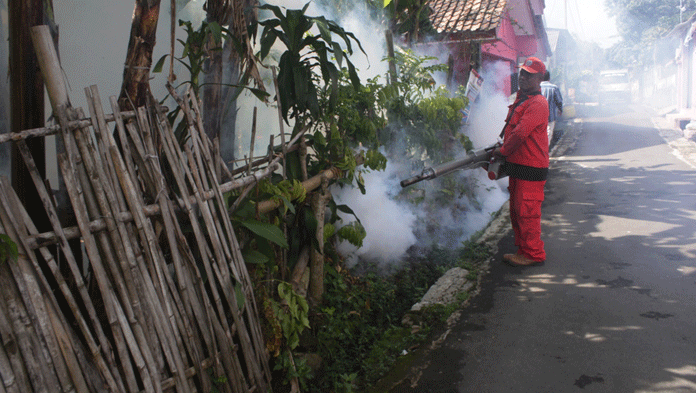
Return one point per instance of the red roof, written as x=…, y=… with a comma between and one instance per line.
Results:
x=466, y=16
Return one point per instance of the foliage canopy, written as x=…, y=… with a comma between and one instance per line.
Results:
x=642, y=23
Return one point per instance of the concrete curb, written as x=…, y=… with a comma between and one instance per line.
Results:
x=684, y=148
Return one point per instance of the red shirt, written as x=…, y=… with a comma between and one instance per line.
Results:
x=526, y=141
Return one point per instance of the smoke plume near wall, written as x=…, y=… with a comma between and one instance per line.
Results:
x=388, y=222
x=394, y=226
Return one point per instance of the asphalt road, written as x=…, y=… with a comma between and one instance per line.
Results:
x=613, y=309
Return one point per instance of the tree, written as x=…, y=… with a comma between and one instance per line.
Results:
x=641, y=23
x=135, y=91
x=231, y=66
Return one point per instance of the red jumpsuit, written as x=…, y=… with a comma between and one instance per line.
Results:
x=526, y=148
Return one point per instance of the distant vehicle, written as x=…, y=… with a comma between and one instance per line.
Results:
x=614, y=86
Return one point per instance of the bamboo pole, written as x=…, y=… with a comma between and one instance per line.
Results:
x=112, y=242
x=50, y=66
x=20, y=334
x=249, y=346
x=169, y=334
x=127, y=279
x=280, y=121
x=105, y=365
x=53, y=363
x=14, y=372
x=48, y=205
x=310, y=185
x=194, y=135
x=253, y=138
x=93, y=253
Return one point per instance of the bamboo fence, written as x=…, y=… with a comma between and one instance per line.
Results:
x=148, y=292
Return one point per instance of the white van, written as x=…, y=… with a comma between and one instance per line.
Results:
x=614, y=86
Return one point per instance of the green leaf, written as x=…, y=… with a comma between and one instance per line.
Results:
x=323, y=28
x=275, y=9
x=354, y=233
x=347, y=210
x=261, y=95
x=288, y=205
x=319, y=139
x=302, y=80
x=264, y=246
x=386, y=3
x=268, y=38
x=329, y=230
x=8, y=249
x=286, y=84
x=254, y=257
x=267, y=231
x=354, y=78
x=160, y=64
x=338, y=52
x=216, y=31
x=239, y=293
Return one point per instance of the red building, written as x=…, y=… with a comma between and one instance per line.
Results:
x=490, y=34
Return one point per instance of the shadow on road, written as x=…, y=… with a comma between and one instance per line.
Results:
x=611, y=307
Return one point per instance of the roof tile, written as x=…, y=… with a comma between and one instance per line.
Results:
x=461, y=16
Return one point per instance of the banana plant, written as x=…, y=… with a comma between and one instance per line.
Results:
x=298, y=78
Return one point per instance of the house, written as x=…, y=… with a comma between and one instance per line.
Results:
x=563, y=58
x=677, y=74
x=487, y=34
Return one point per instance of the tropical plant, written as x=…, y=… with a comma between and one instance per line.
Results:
x=410, y=18
x=305, y=51
x=196, y=52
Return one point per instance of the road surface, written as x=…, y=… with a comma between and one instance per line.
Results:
x=613, y=309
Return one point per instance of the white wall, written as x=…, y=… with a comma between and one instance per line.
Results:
x=93, y=44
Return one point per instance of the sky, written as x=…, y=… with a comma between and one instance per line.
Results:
x=586, y=19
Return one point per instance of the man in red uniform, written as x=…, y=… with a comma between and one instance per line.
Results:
x=526, y=151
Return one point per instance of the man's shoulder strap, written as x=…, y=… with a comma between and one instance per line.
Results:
x=522, y=98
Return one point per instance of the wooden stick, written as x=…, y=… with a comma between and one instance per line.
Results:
x=280, y=121
x=22, y=335
x=15, y=375
x=52, y=214
x=15, y=206
x=253, y=138
x=91, y=247
x=55, y=129
x=50, y=66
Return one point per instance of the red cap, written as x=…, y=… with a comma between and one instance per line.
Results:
x=534, y=66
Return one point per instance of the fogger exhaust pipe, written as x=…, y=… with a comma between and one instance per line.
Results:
x=474, y=159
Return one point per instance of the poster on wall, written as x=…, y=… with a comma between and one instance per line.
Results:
x=473, y=88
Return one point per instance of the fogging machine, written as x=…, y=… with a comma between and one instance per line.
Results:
x=481, y=158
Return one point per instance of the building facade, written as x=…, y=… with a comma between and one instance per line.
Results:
x=491, y=35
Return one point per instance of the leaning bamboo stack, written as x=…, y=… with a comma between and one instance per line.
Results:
x=155, y=297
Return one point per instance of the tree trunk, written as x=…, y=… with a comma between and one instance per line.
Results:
x=231, y=66
x=316, y=272
x=27, y=98
x=218, y=11
x=135, y=91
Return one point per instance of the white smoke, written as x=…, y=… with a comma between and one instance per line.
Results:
x=394, y=226
x=389, y=223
